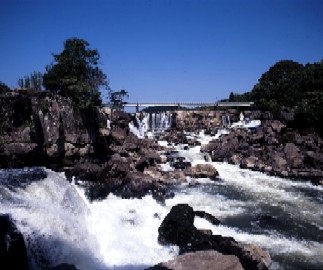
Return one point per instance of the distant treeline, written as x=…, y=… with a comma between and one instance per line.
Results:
x=291, y=85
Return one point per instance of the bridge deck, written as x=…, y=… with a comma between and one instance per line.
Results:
x=177, y=104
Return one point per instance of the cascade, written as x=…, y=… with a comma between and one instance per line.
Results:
x=150, y=122
x=60, y=225
x=225, y=121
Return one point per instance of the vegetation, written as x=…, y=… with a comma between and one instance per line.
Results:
x=291, y=85
x=117, y=98
x=3, y=88
x=34, y=81
x=75, y=74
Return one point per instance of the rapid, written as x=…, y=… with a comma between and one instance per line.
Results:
x=60, y=225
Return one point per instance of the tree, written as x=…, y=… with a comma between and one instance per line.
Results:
x=34, y=81
x=118, y=97
x=291, y=85
x=75, y=74
x=278, y=86
x=3, y=88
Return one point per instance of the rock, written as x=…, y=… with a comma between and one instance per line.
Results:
x=201, y=260
x=279, y=163
x=293, y=155
x=212, y=219
x=277, y=126
x=249, y=163
x=202, y=171
x=86, y=171
x=121, y=119
x=13, y=252
x=64, y=266
x=19, y=148
x=254, y=258
x=149, y=159
x=118, y=135
x=267, y=221
x=178, y=229
x=180, y=163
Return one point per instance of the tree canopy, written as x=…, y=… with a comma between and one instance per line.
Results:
x=292, y=85
x=75, y=73
x=118, y=97
x=3, y=88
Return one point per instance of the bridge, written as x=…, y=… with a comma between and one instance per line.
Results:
x=138, y=105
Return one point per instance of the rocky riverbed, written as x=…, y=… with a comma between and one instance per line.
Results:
x=110, y=159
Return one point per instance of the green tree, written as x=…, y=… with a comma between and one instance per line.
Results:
x=3, y=88
x=118, y=97
x=75, y=74
x=278, y=86
x=292, y=85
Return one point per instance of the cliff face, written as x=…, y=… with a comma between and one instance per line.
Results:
x=44, y=129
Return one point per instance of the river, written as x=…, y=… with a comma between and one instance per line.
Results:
x=60, y=225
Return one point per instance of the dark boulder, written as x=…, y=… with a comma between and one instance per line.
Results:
x=178, y=229
x=13, y=252
x=148, y=159
x=64, y=266
x=212, y=219
x=121, y=119
x=179, y=163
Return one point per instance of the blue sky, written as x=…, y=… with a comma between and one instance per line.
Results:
x=164, y=50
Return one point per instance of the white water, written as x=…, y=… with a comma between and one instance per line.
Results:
x=148, y=123
x=61, y=226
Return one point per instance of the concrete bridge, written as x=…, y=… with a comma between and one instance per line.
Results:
x=138, y=105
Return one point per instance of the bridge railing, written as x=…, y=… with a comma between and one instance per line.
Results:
x=181, y=104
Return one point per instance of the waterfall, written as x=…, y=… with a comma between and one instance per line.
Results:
x=150, y=122
x=225, y=121
x=52, y=217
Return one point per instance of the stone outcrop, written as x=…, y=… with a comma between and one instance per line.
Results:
x=44, y=130
x=273, y=148
x=178, y=229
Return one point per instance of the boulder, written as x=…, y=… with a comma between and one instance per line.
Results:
x=202, y=171
x=201, y=260
x=64, y=266
x=212, y=219
x=293, y=155
x=121, y=119
x=13, y=252
x=178, y=229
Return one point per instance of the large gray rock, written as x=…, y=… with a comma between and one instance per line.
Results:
x=201, y=260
